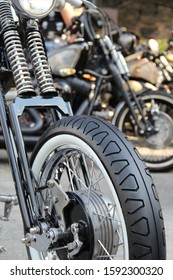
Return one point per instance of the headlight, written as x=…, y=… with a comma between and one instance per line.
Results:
x=37, y=8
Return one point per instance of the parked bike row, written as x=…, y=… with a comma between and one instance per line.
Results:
x=86, y=191
x=132, y=91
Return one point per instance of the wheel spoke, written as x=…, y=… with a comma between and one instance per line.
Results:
x=107, y=216
x=107, y=253
x=74, y=174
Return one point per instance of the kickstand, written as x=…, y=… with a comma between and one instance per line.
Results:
x=2, y=249
x=9, y=201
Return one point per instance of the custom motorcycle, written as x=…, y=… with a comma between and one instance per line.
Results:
x=85, y=193
x=149, y=60
x=98, y=77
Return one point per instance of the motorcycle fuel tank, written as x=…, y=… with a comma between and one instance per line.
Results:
x=66, y=57
x=143, y=68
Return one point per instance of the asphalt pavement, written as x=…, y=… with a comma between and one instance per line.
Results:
x=11, y=232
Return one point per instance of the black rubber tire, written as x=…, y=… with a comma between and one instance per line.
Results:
x=131, y=179
x=166, y=100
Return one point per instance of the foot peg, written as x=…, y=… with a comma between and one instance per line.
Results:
x=9, y=201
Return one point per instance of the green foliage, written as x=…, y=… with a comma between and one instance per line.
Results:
x=162, y=43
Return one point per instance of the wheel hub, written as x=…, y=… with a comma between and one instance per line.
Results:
x=164, y=135
x=97, y=229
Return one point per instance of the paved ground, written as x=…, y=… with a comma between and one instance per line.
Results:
x=11, y=232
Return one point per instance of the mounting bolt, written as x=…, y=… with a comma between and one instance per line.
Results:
x=50, y=184
x=34, y=230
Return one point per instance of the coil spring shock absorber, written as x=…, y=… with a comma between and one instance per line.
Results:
x=39, y=60
x=14, y=50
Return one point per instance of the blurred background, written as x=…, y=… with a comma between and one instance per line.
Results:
x=147, y=19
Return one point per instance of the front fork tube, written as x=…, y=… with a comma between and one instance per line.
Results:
x=118, y=82
x=19, y=166
x=28, y=180
x=147, y=125
x=135, y=99
x=14, y=162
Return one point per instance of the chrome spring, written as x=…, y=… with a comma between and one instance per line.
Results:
x=14, y=50
x=39, y=61
x=6, y=16
x=18, y=63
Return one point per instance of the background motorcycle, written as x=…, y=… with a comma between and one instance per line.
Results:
x=146, y=59
x=97, y=75
x=75, y=192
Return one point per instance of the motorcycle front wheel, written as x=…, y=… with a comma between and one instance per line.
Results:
x=156, y=149
x=113, y=200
